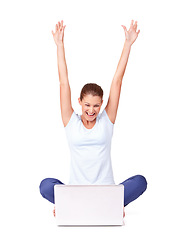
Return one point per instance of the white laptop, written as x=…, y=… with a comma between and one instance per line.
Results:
x=89, y=204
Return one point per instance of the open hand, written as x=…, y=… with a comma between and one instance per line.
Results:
x=59, y=33
x=132, y=34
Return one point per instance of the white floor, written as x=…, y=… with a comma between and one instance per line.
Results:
x=145, y=219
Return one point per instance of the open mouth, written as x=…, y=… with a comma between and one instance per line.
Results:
x=90, y=115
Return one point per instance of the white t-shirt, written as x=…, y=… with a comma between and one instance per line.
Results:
x=90, y=151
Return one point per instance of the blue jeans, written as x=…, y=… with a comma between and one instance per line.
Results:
x=133, y=188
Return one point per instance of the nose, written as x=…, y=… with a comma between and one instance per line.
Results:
x=91, y=109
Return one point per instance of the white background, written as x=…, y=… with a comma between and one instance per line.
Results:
x=148, y=134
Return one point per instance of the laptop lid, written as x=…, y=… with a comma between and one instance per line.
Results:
x=89, y=204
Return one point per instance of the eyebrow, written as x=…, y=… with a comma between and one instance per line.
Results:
x=94, y=104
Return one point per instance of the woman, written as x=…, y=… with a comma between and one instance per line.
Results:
x=89, y=135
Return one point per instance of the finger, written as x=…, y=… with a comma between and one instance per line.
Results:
x=52, y=33
x=60, y=25
x=132, y=23
x=63, y=30
x=125, y=29
x=138, y=32
x=135, y=26
x=56, y=28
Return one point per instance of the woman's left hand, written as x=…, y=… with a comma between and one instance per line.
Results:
x=132, y=34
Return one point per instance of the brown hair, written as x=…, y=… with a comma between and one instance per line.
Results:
x=91, y=88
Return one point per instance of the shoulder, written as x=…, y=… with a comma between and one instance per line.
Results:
x=105, y=117
x=74, y=118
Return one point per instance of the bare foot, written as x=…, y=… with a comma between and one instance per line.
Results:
x=54, y=212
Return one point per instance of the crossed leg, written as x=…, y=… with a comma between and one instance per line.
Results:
x=133, y=188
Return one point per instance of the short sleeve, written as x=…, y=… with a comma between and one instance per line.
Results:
x=72, y=118
x=107, y=117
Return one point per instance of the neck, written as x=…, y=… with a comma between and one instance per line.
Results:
x=86, y=122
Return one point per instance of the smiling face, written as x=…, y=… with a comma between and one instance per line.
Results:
x=90, y=106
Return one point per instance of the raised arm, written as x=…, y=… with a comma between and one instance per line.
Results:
x=65, y=92
x=115, y=90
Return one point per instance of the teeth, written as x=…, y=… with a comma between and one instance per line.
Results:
x=90, y=114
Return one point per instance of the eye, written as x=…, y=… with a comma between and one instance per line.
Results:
x=87, y=105
x=96, y=105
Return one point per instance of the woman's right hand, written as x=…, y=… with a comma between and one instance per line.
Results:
x=59, y=33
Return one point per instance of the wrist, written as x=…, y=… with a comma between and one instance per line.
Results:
x=60, y=45
x=128, y=43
